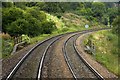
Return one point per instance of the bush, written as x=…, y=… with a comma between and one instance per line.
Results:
x=7, y=47
x=7, y=4
x=48, y=27
x=25, y=38
x=34, y=12
x=116, y=28
x=64, y=29
x=34, y=27
x=109, y=37
x=90, y=18
x=30, y=21
x=18, y=27
x=10, y=15
x=115, y=51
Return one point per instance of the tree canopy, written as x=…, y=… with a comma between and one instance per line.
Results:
x=25, y=17
x=18, y=20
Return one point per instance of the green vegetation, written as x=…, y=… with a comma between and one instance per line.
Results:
x=7, y=45
x=40, y=20
x=17, y=22
x=116, y=28
x=106, y=49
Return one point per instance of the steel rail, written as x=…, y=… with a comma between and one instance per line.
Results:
x=43, y=57
x=16, y=67
x=11, y=74
x=66, y=58
x=97, y=74
x=65, y=53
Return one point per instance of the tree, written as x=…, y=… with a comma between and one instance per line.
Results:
x=98, y=9
x=39, y=15
x=21, y=5
x=116, y=25
x=51, y=7
x=7, y=4
x=105, y=20
x=116, y=29
x=86, y=11
x=109, y=4
x=48, y=27
x=31, y=4
x=112, y=13
x=10, y=15
x=34, y=27
x=40, y=5
x=18, y=27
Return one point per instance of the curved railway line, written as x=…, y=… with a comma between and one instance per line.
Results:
x=78, y=66
x=97, y=74
x=32, y=64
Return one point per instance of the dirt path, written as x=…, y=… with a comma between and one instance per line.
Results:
x=102, y=70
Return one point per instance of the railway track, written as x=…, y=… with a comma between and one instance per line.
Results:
x=27, y=67
x=78, y=66
x=97, y=74
x=45, y=62
x=42, y=59
x=32, y=64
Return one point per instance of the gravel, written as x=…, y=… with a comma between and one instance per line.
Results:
x=78, y=67
x=10, y=62
x=54, y=64
x=29, y=68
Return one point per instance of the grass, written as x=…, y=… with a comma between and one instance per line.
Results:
x=7, y=45
x=106, y=44
x=55, y=33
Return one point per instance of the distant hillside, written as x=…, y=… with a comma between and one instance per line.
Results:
x=74, y=19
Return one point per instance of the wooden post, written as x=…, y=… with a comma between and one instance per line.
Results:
x=21, y=38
